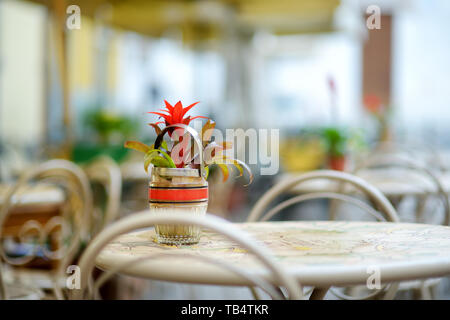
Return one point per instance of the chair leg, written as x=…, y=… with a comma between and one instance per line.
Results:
x=255, y=293
x=2, y=285
x=425, y=292
x=421, y=203
x=391, y=292
x=318, y=293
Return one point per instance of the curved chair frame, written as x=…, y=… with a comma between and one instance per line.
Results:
x=57, y=169
x=256, y=280
x=105, y=171
x=374, y=194
x=144, y=219
x=407, y=163
x=321, y=195
x=2, y=284
x=392, y=148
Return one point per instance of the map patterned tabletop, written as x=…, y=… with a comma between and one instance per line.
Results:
x=317, y=253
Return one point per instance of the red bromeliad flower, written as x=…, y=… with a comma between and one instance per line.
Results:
x=372, y=103
x=175, y=114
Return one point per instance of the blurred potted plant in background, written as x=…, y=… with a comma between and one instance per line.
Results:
x=336, y=145
x=104, y=133
x=381, y=113
x=109, y=126
x=341, y=145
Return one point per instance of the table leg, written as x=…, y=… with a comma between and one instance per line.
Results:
x=318, y=293
x=254, y=293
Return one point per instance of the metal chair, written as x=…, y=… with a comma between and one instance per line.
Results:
x=423, y=154
x=71, y=226
x=424, y=289
x=413, y=166
x=278, y=278
x=106, y=172
x=386, y=211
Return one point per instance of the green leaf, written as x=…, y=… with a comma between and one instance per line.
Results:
x=164, y=145
x=207, y=172
x=138, y=146
x=154, y=157
x=225, y=171
x=207, y=131
x=157, y=161
x=169, y=159
x=148, y=158
x=335, y=140
x=243, y=165
x=238, y=164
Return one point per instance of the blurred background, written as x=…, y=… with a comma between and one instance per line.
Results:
x=337, y=85
x=310, y=68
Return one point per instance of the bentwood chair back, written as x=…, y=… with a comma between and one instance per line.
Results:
x=71, y=225
x=386, y=210
x=2, y=284
x=423, y=289
x=408, y=164
x=277, y=276
x=106, y=172
x=423, y=154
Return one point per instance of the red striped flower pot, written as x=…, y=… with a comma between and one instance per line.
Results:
x=182, y=191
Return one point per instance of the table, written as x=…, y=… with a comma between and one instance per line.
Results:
x=317, y=253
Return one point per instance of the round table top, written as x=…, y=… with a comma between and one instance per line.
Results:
x=317, y=253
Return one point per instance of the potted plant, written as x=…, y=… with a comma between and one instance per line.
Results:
x=335, y=140
x=103, y=134
x=178, y=179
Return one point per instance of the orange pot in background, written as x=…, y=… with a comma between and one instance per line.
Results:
x=337, y=163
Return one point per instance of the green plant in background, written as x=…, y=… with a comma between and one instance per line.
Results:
x=336, y=141
x=109, y=125
x=103, y=134
x=339, y=143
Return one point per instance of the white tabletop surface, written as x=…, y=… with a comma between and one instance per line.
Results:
x=317, y=253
